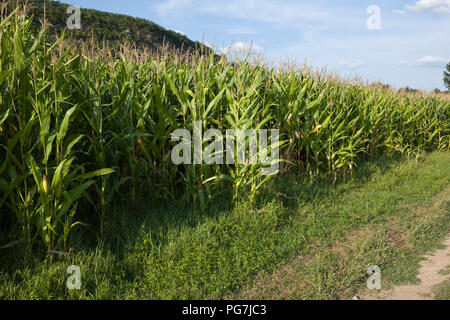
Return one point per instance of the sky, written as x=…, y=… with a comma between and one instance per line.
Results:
x=401, y=43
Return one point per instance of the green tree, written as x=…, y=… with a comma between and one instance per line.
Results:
x=447, y=77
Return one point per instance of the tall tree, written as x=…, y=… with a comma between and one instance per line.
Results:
x=447, y=77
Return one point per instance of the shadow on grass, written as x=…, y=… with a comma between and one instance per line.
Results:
x=128, y=223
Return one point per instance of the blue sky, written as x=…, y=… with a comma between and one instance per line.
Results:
x=411, y=48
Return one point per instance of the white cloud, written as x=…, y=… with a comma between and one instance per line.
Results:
x=434, y=6
x=400, y=12
x=346, y=64
x=431, y=61
x=239, y=47
x=209, y=45
x=164, y=8
x=241, y=30
x=305, y=20
x=267, y=11
x=183, y=34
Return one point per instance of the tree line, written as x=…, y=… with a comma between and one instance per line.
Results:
x=104, y=26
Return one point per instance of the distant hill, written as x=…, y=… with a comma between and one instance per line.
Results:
x=111, y=27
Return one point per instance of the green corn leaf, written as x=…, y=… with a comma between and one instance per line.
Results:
x=64, y=125
x=96, y=173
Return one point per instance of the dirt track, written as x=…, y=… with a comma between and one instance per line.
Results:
x=429, y=276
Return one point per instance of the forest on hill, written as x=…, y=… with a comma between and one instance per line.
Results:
x=105, y=26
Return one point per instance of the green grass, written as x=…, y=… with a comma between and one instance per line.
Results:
x=398, y=216
x=442, y=292
x=157, y=251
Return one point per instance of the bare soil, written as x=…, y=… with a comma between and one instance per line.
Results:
x=430, y=275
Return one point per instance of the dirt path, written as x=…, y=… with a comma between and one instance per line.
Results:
x=429, y=276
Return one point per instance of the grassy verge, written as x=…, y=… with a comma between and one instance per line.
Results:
x=411, y=218
x=302, y=238
x=442, y=291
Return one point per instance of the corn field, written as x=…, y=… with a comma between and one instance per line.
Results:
x=79, y=130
